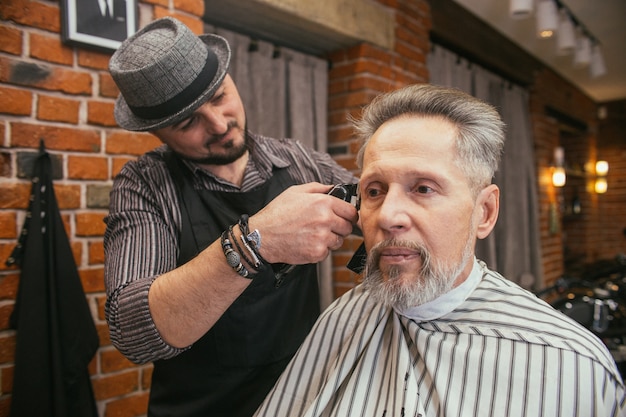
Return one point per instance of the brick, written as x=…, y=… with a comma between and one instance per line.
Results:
x=6, y=379
x=146, y=376
x=111, y=360
x=25, y=135
x=68, y=196
x=108, y=88
x=50, y=49
x=15, y=101
x=118, y=164
x=354, y=100
x=348, y=163
x=340, y=134
x=100, y=113
x=76, y=247
x=5, y=405
x=44, y=76
x=131, y=143
x=8, y=282
x=42, y=15
x=103, y=334
x=26, y=165
x=6, y=252
x=87, y=167
x=90, y=224
x=194, y=23
x=96, y=253
x=6, y=166
x=8, y=225
x=58, y=109
x=94, y=59
x=14, y=195
x=7, y=347
x=110, y=386
x=5, y=314
x=92, y=280
x=101, y=302
x=341, y=289
x=341, y=258
x=10, y=40
x=195, y=7
x=98, y=196
x=131, y=406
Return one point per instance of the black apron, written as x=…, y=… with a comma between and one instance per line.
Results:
x=230, y=370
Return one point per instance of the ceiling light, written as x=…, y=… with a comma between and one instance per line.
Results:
x=521, y=9
x=553, y=16
x=547, y=18
x=597, y=68
x=582, y=57
x=565, y=37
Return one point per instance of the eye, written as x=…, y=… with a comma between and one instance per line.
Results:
x=424, y=189
x=372, y=191
x=218, y=97
x=188, y=123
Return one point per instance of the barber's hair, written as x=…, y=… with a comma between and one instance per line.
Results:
x=480, y=130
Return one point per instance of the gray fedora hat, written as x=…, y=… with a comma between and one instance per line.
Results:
x=164, y=72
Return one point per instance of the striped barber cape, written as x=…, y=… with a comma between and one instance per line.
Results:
x=501, y=352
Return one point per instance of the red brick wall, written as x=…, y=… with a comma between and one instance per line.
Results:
x=64, y=95
x=70, y=106
x=598, y=232
x=357, y=75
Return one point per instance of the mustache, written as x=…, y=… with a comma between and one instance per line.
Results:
x=375, y=254
x=229, y=128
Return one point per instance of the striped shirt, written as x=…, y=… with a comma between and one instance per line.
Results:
x=144, y=221
x=501, y=352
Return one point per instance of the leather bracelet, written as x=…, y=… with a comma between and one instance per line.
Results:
x=232, y=257
x=252, y=239
x=254, y=263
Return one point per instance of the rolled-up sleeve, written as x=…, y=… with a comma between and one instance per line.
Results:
x=141, y=243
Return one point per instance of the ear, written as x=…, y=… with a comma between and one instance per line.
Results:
x=487, y=208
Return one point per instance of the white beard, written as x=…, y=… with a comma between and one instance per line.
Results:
x=405, y=289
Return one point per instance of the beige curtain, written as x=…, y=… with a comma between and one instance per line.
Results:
x=513, y=248
x=285, y=94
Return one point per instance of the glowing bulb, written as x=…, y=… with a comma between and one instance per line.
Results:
x=558, y=177
x=602, y=168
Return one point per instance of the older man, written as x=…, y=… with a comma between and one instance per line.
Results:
x=432, y=331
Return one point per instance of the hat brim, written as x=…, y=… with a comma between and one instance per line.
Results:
x=126, y=119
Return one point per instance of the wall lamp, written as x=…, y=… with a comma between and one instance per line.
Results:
x=600, y=185
x=558, y=170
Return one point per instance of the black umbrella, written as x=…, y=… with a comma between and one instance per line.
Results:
x=56, y=335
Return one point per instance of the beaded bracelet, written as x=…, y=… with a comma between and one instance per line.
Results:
x=232, y=257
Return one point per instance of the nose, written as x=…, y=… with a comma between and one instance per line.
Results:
x=393, y=214
x=213, y=119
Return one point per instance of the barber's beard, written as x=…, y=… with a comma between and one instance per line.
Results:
x=403, y=289
x=230, y=151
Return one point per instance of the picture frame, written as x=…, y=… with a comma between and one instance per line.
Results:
x=100, y=24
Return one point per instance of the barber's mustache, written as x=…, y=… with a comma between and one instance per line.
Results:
x=229, y=128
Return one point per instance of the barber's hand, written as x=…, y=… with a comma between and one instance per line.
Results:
x=303, y=224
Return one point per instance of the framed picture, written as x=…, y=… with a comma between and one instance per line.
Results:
x=101, y=24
